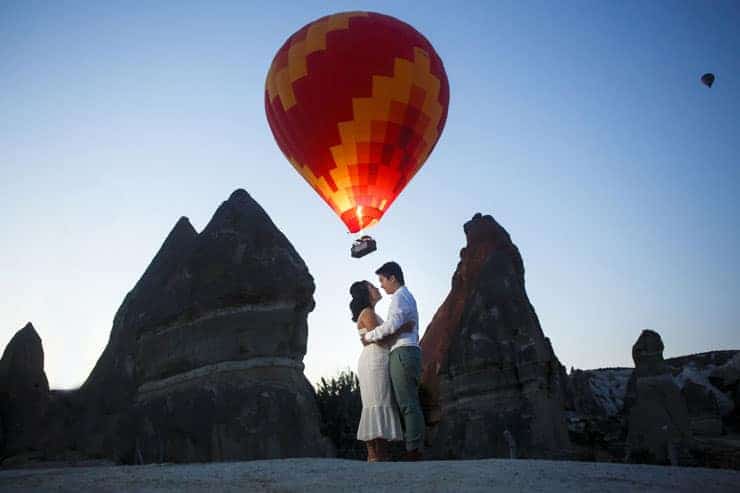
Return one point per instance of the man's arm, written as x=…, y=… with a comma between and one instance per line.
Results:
x=396, y=318
x=406, y=327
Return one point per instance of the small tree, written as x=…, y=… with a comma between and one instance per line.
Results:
x=340, y=405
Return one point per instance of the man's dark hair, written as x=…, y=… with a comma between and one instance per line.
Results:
x=389, y=269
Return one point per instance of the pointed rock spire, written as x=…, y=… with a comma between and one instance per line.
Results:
x=491, y=381
x=24, y=390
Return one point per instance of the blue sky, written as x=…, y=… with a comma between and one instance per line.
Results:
x=580, y=126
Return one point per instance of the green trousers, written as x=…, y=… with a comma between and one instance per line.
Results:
x=405, y=368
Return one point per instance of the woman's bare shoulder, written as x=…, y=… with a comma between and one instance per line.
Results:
x=367, y=318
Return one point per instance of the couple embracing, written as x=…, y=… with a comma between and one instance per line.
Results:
x=389, y=367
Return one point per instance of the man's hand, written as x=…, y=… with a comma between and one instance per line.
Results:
x=364, y=341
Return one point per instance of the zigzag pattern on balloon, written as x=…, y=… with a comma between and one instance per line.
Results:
x=357, y=102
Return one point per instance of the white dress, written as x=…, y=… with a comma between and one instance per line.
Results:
x=380, y=418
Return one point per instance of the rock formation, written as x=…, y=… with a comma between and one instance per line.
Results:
x=703, y=409
x=204, y=360
x=24, y=393
x=726, y=377
x=594, y=404
x=599, y=433
x=599, y=392
x=658, y=423
x=493, y=385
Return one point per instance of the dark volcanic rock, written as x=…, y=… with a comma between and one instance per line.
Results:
x=598, y=433
x=658, y=424
x=595, y=423
x=225, y=381
x=704, y=417
x=103, y=417
x=699, y=368
x=24, y=393
x=705, y=370
x=726, y=377
x=487, y=363
x=249, y=294
x=205, y=357
x=230, y=414
x=599, y=392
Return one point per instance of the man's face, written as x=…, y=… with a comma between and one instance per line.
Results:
x=388, y=284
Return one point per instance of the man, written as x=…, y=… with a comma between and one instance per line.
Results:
x=405, y=355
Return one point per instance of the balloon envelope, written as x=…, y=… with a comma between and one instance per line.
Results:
x=357, y=101
x=707, y=79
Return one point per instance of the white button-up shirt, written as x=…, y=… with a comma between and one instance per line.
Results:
x=402, y=310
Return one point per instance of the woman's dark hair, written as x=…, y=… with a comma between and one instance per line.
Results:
x=360, y=298
x=389, y=269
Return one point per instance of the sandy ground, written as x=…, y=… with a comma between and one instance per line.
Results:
x=344, y=475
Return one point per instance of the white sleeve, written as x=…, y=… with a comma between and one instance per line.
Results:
x=396, y=318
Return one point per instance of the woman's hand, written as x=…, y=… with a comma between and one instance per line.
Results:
x=364, y=341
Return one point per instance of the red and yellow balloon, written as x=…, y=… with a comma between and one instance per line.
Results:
x=356, y=102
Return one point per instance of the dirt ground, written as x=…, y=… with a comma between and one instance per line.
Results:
x=345, y=475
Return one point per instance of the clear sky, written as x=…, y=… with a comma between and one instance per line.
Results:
x=582, y=127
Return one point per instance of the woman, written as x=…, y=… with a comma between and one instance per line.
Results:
x=379, y=421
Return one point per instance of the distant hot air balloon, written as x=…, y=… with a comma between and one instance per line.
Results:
x=356, y=102
x=707, y=79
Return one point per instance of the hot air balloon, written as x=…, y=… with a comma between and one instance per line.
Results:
x=707, y=79
x=357, y=101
